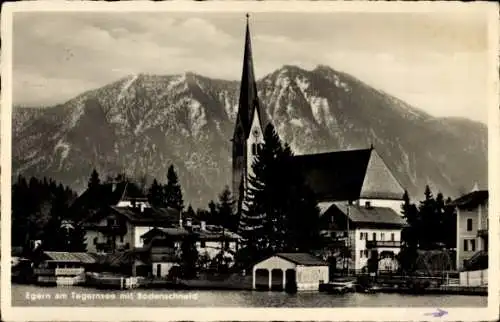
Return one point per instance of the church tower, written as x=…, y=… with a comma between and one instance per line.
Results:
x=248, y=130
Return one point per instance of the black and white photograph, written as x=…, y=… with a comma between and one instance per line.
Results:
x=248, y=155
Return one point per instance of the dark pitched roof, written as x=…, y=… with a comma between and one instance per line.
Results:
x=348, y=175
x=364, y=216
x=106, y=194
x=214, y=232
x=472, y=199
x=85, y=258
x=166, y=231
x=335, y=175
x=154, y=216
x=303, y=259
x=165, y=217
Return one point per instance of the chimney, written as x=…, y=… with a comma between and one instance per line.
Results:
x=203, y=225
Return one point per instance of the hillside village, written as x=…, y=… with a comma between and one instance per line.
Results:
x=285, y=222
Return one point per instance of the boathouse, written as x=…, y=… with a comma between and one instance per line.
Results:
x=290, y=271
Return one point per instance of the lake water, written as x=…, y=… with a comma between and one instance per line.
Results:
x=29, y=295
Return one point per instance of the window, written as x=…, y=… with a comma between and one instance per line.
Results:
x=254, y=149
x=202, y=244
x=366, y=252
x=466, y=245
x=392, y=236
x=361, y=236
x=95, y=240
x=469, y=224
x=111, y=221
x=360, y=254
x=374, y=235
x=382, y=236
x=473, y=245
x=121, y=239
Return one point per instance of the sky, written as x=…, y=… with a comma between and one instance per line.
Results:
x=436, y=62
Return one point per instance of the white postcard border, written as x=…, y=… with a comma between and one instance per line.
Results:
x=10, y=313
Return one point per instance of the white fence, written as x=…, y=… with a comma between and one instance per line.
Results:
x=474, y=278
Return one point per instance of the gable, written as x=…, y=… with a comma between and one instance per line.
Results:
x=379, y=182
x=275, y=262
x=256, y=131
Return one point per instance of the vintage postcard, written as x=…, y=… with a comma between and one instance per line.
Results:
x=250, y=161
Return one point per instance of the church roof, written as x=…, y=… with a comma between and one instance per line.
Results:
x=335, y=175
x=249, y=101
x=348, y=175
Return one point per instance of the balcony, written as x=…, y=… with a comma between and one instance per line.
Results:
x=44, y=271
x=58, y=271
x=383, y=244
x=69, y=271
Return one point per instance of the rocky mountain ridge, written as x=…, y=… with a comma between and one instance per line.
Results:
x=142, y=123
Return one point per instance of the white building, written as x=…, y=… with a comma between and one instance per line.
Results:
x=120, y=218
x=369, y=229
x=302, y=271
x=472, y=230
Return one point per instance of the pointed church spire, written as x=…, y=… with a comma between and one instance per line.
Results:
x=249, y=101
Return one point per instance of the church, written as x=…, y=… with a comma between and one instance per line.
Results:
x=355, y=184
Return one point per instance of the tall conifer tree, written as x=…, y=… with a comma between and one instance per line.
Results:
x=173, y=190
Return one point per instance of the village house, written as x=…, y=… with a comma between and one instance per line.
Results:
x=370, y=229
x=121, y=218
x=472, y=230
x=211, y=241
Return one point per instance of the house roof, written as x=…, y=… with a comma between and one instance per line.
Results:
x=472, y=199
x=303, y=259
x=159, y=216
x=167, y=231
x=212, y=232
x=150, y=216
x=362, y=215
x=85, y=258
x=106, y=194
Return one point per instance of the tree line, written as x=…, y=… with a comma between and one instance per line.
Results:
x=40, y=212
x=431, y=225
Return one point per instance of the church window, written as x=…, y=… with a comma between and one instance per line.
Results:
x=254, y=148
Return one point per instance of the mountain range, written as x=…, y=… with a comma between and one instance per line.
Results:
x=143, y=123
